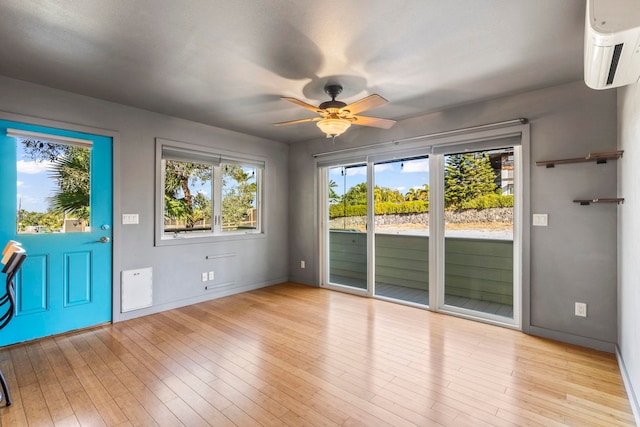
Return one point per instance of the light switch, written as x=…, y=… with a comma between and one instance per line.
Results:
x=540, y=220
x=130, y=219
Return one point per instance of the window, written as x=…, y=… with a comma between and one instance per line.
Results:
x=239, y=197
x=205, y=193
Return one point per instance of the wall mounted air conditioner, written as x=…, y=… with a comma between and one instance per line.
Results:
x=612, y=43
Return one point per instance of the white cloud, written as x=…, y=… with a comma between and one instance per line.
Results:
x=401, y=189
x=421, y=165
x=26, y=199
x=32, y=167
x=362, y=170
x=384, y=167
x=20, y=183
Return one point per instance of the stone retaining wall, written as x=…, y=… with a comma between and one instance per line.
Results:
x=466, y=216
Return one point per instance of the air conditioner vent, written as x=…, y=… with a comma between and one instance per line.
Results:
x=614, y=63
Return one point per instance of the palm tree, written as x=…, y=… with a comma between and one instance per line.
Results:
x=71, y=171
x=333, y=196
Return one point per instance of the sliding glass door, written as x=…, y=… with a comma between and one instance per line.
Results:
x=439, y=227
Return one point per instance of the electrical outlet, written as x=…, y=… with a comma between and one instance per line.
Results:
x=581, y=309
x=302, y=264
x=211, y=275
x=204, y=276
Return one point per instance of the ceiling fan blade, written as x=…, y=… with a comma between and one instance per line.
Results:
x=373, y=122
x=292, y=122
x=302, y=104
x=366, y=103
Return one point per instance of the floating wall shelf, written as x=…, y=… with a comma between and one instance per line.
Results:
x=591, y=157
x=589, y=201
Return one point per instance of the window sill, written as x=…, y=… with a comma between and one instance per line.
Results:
x=209, y=238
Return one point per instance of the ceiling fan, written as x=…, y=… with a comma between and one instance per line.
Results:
x=336, y=116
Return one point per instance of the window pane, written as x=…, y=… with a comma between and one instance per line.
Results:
x=54, y=186
x=401, y=209
x=348, y=225
x=239, y=198
x=187, y=197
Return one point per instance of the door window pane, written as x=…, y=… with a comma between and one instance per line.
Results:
x=53, y=187
x=478, y=217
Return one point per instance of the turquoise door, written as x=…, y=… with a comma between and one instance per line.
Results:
x=56, y=200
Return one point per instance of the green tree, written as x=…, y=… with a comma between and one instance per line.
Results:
x=333, y=196
x=385, y=194
x=239, y=192
x=42, y=150
x=417, y=193
x=356, y=195
x=180, y=202
x=466, y=177
x=71, y=171
x=51, y=219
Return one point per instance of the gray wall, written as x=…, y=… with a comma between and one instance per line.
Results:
x=573, y=259
x=629, y=240
x=176, y=269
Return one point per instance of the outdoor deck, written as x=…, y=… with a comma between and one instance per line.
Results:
x=420, y=296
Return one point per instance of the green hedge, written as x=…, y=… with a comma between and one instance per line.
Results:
x=384, y=208
x=420, y=206
x=487, y=201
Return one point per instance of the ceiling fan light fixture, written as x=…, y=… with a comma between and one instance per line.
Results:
x=333, y=127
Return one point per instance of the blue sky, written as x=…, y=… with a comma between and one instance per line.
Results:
x=34, y=184
x=400, y=175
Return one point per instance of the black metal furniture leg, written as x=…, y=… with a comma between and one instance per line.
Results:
x=5, y=389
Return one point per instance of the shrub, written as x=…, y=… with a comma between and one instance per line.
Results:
x=383, y=208
x=487, y=201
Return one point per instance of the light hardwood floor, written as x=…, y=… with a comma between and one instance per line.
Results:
x=301, y=356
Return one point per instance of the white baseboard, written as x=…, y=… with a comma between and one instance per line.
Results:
x=595, y=344
x=628, y=385
x=223, y=290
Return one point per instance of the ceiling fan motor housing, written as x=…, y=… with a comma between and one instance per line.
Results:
x=332, y=91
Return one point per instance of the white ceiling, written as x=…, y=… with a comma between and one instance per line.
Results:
x=227, y=62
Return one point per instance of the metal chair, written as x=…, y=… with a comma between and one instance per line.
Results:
x=13, y=258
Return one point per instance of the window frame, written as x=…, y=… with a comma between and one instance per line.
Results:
x=187, y=152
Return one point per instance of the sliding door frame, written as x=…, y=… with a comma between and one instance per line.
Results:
x=437, y=229
x=436, y=146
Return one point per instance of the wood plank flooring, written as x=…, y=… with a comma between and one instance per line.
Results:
x=301, y=356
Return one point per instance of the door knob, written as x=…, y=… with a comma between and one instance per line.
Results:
x=103, y=239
